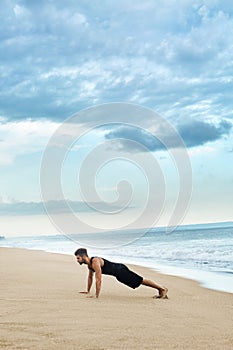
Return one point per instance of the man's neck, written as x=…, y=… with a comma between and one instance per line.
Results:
x=88, y=261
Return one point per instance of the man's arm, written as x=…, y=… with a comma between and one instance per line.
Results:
x=98, y=275
x=89, y=282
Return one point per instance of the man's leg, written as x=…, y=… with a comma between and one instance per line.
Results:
x=162, y=290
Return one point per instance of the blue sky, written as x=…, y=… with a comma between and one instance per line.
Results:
x=59, y=57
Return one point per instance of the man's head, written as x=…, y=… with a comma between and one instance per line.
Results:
x=81, y=255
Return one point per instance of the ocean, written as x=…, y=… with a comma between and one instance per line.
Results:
x=200, y=252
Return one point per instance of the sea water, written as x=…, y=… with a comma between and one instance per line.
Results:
x=199, y=252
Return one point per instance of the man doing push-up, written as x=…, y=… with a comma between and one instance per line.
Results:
x=122, y=273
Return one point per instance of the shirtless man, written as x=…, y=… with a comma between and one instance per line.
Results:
x=101, y=266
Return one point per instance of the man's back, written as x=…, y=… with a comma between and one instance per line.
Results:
x=109, y=267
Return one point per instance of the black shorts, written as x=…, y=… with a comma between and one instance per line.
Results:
x=128, y=277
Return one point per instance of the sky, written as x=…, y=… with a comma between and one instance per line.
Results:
x=61, y=59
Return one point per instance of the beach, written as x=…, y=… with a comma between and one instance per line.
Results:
x=41, y=308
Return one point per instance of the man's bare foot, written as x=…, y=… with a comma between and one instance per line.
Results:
x=162, y=294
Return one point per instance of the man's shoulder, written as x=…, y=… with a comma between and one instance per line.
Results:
x=96, y=260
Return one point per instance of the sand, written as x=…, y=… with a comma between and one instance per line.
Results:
x=41, y=308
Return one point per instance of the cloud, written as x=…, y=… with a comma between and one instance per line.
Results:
x=54, y=207
x=198, y=133
x=23, y=137
x=143, y=140
x=194, y=133
x=59, y=57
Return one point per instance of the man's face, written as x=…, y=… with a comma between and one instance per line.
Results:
x=80, y=259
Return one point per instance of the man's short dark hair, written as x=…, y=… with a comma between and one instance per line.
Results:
x=81, y=252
